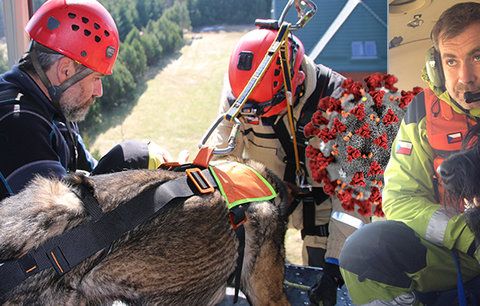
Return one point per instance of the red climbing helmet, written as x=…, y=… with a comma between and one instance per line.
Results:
x=247, y=56
x=82, y=30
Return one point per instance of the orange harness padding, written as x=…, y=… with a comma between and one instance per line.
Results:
x=240, y=184
x=446, y=130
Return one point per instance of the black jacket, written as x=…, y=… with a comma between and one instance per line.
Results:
x=33, y=135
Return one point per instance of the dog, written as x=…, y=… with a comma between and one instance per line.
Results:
x=183, y=256
x=460, y=174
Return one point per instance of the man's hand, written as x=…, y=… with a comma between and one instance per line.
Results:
x=325, y=290
x=158, y=155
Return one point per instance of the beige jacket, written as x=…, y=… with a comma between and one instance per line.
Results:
x=270, y=152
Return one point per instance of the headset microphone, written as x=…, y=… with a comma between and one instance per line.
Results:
x=471, y=97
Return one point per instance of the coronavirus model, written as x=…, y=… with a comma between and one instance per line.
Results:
x=355, y=134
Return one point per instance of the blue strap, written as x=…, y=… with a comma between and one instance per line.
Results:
x=8, y=189
x=332, y=260
x=462, y=301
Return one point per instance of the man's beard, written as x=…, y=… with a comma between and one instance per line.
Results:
x=72, y=111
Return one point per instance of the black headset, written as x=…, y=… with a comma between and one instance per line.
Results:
x=433, y=65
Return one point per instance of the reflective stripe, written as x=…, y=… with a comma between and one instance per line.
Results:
x=437, y=226
x=406, y=299
x=347, y=219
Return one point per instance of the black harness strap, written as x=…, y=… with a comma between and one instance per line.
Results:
x=240, y=232
x=309, y=228
x=237, y=217
x=91, y=205
x=66, y=251
x=306, y=113
x=316, y=195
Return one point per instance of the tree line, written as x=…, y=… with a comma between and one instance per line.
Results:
x=152, y=29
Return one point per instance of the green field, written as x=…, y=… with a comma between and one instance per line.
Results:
x=181, y=100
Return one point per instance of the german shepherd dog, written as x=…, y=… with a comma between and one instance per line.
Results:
x=460, y=174
x=183, y=256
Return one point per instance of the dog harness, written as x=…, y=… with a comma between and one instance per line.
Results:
x=69, y=249
x=446, y=130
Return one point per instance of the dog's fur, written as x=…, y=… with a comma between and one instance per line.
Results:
x=184, y=256
x=460, y=175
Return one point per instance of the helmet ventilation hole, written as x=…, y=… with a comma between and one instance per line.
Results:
x=85, y=20
x=87, y=32
x=52, y=23
x=83, y=53
x=276, y=72
x=96, y=26
x=106, y=33
x=72, y=15
x=97, y=38
x=275, y=83
x=75, y=27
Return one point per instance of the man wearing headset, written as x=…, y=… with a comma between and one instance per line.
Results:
x=74, y=44
x=397, y=261
x=265, y=136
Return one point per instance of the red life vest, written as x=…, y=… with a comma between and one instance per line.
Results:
x=446, y=130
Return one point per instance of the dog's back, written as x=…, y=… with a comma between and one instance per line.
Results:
x=183, y=256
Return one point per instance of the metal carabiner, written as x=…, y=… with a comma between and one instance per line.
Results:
x=301, y=182
x=231, y=139
x=305, y=9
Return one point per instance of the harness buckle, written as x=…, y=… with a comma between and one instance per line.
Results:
x=199, y=180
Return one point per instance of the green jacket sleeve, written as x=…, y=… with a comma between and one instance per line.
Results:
x=409, y=197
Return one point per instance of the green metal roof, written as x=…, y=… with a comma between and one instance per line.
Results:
x=352, y=47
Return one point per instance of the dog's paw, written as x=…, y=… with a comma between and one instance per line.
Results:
x=472, y=217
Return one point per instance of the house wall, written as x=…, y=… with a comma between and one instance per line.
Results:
x=364, y=24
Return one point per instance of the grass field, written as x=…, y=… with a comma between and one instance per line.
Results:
x=180, y=102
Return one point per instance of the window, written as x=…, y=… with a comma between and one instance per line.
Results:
x=364, y=50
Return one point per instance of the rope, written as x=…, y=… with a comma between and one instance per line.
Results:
x=296, y=286
x=288, y=95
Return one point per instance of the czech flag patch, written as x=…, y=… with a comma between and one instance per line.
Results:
x=404, y=147
x=454, y=138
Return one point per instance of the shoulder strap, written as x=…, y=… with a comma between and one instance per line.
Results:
x=9, y=95
x=323, y=78
x=281, y=131
x=11, y=98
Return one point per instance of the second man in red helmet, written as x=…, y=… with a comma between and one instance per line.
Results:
x=266, y=137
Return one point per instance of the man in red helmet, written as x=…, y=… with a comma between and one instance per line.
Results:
x=74, y=44
x=266, y=137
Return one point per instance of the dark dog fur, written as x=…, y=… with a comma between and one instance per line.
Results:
x=460, y=175
x=184, y=256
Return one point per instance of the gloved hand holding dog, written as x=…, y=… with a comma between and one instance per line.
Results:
x=325, y=290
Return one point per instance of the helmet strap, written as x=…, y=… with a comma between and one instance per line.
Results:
x=55, y=91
